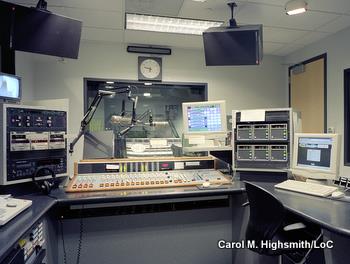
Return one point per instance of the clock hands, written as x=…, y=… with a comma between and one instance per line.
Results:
x=148, y=68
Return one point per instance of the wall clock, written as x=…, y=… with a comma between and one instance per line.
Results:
x=149, y=68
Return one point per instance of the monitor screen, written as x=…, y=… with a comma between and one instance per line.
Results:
x=10, y=87
x=315, y=152
x=46, y=33
x=38, y=31
x=233, y=46
x=204, y=117
x=316, y=156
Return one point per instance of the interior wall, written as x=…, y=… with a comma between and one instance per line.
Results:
x=25, y=69
x=242, y=87
x=338, y=59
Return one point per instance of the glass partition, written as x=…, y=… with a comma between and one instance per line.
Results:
x=162, y=101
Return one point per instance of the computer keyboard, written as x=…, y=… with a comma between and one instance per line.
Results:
x=307, y=188
x=10, y=207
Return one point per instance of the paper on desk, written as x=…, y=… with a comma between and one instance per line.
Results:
x=252, y=115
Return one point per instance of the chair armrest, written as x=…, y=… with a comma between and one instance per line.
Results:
x=294, y=226
x=245, y=204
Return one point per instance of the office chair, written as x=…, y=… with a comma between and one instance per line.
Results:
x=269, y=221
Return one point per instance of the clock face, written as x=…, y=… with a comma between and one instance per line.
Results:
x=150, y=68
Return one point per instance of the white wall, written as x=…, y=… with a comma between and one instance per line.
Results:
x=25, y=69
x=241, y=87
x=338, y=59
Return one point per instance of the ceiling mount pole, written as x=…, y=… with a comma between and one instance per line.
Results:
x=232, y=6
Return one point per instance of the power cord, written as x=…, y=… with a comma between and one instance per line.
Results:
x=81, y=232
x=63, y=243
x=80, y=242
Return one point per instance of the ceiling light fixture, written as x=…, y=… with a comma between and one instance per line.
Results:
x=168, y=24
x=294, y=7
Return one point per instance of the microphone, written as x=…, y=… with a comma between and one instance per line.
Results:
x=104, y=92
x=120, y=120
x=157, y=124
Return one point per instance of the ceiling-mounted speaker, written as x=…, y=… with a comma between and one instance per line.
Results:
x=149, y=50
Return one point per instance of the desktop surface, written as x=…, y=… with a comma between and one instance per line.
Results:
x=333, y=215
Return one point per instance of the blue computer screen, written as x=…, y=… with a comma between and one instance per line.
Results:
x=204, y=118
x=9, y=87
x=315, y=152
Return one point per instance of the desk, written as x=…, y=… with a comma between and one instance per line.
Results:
x=204, y=224
x=14, y=230
x=333, y=215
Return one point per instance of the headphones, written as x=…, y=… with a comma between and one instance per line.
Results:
x=45, y=186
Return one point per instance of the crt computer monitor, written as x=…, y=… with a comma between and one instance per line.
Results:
x=316, y=156
x=204, y=117
x=10, y=87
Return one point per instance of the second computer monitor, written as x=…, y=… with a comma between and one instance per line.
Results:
x=316, y=156
x=204, y=117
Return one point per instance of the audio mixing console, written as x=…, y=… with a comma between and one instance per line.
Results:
x=137, y=180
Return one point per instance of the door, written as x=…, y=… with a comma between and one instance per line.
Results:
x=307, y=94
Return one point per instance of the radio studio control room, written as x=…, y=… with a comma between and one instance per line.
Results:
x=174, y=131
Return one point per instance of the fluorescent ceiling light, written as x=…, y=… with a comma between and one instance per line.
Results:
x=168, y=24
x=109, y=82
x=295, y=7
x=146, y=94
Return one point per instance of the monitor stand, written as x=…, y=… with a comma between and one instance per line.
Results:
x=319, y=181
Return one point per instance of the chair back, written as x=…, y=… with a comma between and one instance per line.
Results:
x=266, y=215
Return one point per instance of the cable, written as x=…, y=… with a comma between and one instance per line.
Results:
x=81, y=232
x=63, y=243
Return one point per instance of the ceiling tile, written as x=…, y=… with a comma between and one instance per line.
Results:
x=210, y=10
x=339, y=6
x=336, y=25
x=268, y=2
x=275, y=16
x=103, y=35
x=281, y=35
x=155, y=7
x=94, y=18
x=311, y=37
x=164, y=39
x=109, y=5
x=287, y=49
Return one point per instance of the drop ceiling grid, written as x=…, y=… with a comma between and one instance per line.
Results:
x=103, y=20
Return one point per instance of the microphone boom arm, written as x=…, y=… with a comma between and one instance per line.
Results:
x=92, y=109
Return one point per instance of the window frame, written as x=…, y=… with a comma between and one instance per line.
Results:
x=346, y=117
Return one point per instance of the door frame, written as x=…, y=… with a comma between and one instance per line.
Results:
x=324, y=57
